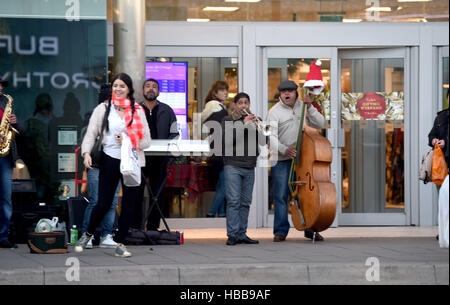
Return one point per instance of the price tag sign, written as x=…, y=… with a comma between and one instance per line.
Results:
x=381, y=124
x=347, y=124
x=389, y=127
x=363, y=124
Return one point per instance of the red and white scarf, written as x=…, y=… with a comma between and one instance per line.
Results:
x=135, y=130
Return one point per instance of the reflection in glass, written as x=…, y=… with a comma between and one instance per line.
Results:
x=372, y=107
x=189, y=191
x=445, y=86
x=295, y=11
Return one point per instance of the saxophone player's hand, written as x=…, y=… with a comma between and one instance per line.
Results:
x=1, y=137
x=87, y=160
x=12, y=119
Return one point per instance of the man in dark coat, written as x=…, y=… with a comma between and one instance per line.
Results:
x=163, y=125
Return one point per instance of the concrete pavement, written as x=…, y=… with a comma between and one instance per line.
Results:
x=351, y=255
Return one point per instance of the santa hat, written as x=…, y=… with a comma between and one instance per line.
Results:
x=314, y=78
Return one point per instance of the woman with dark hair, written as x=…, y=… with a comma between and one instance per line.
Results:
x=121, y=115
x=241, y=144
x=107, y=225
x=212, y=116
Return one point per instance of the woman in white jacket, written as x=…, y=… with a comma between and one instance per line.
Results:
x=122, y=115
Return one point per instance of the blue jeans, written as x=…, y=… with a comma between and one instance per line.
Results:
x=107, y=224
x=6, y=170
x=280, y=179
x=239, y=186
x=218, y=205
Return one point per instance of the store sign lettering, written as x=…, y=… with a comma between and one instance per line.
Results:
x=58, y=80
x=45, y=46
x=371, y=106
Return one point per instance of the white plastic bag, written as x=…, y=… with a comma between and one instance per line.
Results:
x=129, y=163
x=443, y=214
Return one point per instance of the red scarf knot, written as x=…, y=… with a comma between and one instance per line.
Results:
x=135, y=130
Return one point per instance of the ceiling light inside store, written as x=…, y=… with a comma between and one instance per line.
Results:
x=198, y=20
x=221, y=8
x=414, y=0
x=351, y=20
x=253, y=1
x=379, y=9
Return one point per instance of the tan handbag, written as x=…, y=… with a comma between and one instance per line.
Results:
x=427, y=165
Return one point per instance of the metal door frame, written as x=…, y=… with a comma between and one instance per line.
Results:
x=377, y=219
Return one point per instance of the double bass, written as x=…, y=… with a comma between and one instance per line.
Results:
x=313, y=195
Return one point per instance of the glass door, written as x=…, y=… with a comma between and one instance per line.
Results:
x=292, y=63
x=190, y=191
x=443, y=78
x=373, y=103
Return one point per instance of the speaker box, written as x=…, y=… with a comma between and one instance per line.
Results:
x=24, y=221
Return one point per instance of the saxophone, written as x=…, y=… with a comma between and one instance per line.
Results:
x=6, y=130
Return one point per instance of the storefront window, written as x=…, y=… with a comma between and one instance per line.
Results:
x=445, y=86
x=54, y=58
x=372, y=115
x=294, y=10
x=191, y=186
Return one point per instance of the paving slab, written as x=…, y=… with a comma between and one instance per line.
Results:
x=409, y=256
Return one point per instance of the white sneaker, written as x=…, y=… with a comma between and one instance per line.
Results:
x=121, y=251
x=81, y=243
x=107, y=242
x=89, y=244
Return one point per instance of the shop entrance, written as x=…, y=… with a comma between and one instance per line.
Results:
x=365, y=104
x=292, y=63
x=373, y=106
x=190, y=189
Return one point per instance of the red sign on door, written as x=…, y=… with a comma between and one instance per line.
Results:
x=371, y=106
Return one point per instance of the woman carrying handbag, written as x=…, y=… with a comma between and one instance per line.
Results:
x=124, y=116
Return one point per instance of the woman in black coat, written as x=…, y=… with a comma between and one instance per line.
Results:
x=439, y=134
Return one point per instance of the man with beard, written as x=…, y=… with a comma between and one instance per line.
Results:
x=163, y=125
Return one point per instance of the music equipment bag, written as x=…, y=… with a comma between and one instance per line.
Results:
x=47, y=242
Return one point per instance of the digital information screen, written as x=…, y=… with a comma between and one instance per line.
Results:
x=172, y=79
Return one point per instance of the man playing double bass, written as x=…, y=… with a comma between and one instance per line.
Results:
x=285, y=119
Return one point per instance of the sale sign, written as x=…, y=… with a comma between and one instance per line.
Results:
x=371, y=106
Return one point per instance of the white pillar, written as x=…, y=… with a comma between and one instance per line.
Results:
x=129, y=41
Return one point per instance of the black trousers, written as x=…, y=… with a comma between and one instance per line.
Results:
x=109, y=176
x=155, y=170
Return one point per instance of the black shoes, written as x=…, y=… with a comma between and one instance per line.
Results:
x=246, y=240
x=209, y=215
x=249, y=241
x=232, y=241
x=310, y=234
x=7, y=244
